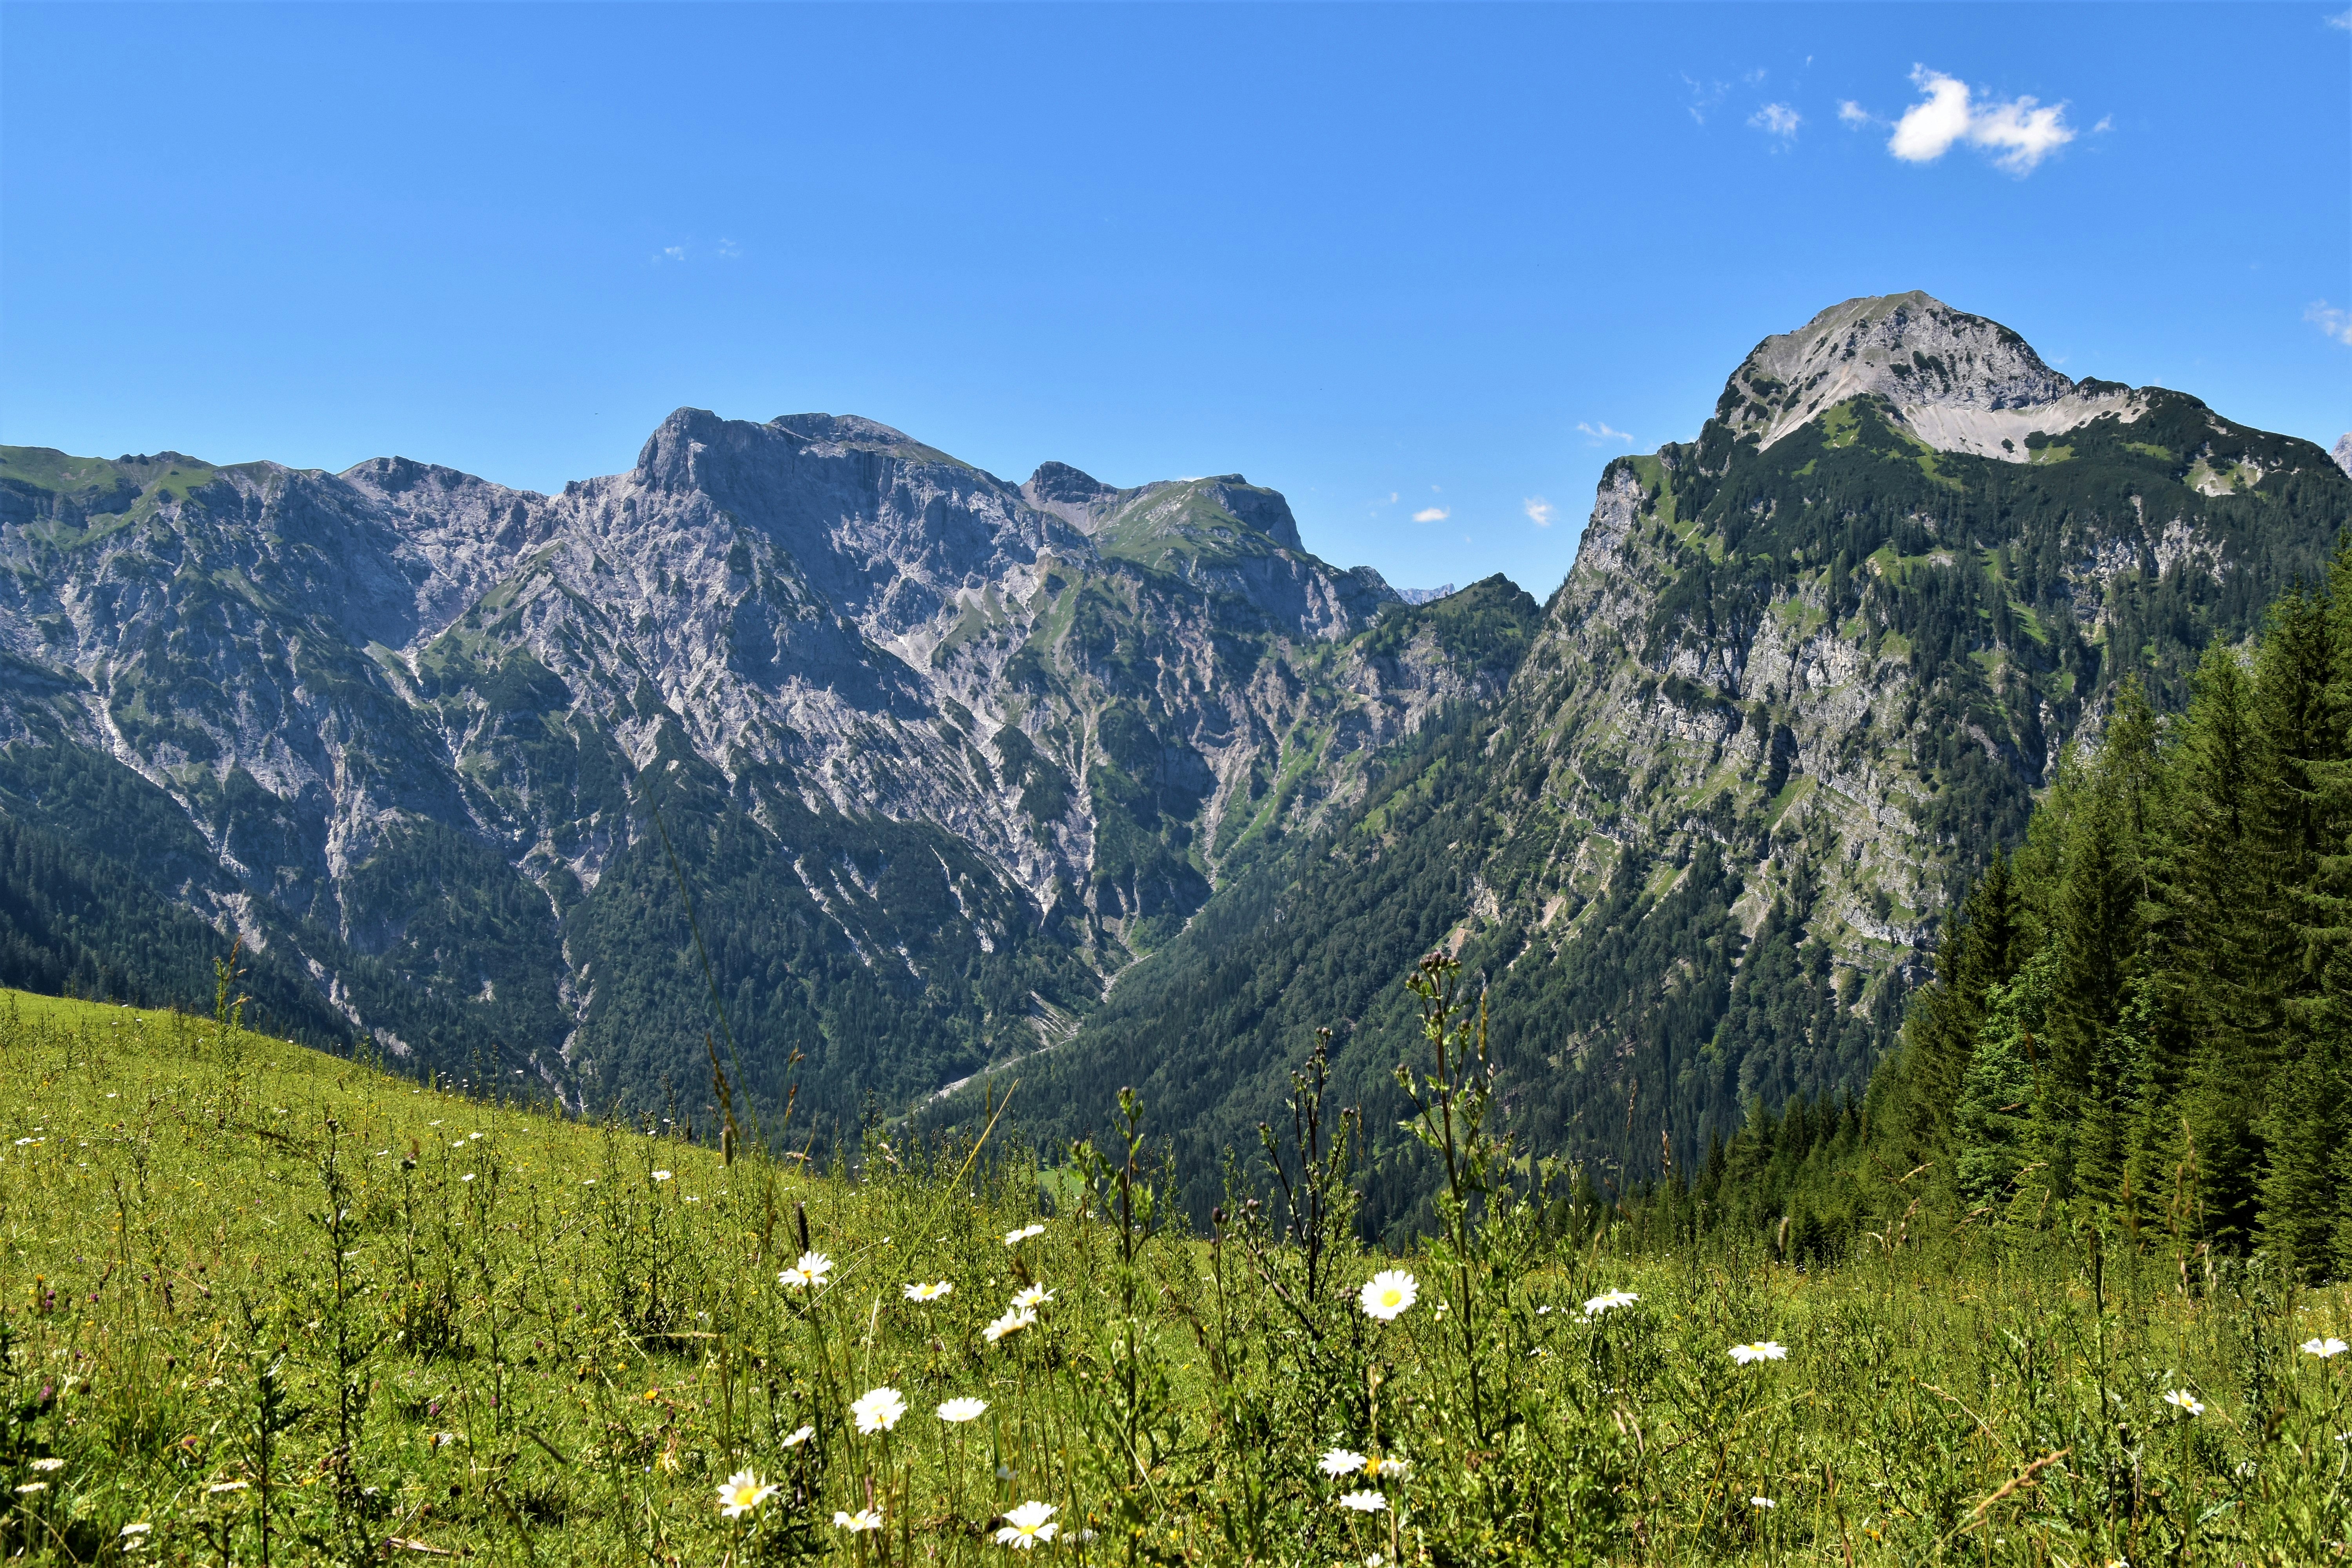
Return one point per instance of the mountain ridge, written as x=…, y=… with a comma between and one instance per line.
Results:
x=399, y=726
x=1788, y=699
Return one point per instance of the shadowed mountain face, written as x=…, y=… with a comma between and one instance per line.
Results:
x=1807, y=672
x=937, y=754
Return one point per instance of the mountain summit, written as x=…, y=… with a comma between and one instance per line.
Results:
x=942, y=755
x=1958, y=383
x=1808, y=672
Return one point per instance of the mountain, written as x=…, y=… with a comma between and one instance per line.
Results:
x=1808, y=671
x=939, y=755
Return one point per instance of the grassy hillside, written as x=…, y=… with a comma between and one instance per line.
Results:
x=261, y=1304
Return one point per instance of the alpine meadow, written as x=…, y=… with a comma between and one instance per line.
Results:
x=808, y=1001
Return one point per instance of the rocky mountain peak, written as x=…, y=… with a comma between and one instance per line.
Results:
x=1960, y=382
x=2342, y=452
x=1060, y=482
x=1262, y=509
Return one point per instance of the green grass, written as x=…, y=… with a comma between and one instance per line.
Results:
x=248, y=1283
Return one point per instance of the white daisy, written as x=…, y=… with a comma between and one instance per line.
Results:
x=1027, y=1525
x=1763, y=1350
x=744, y=1493
x=959, y=1411
x=878, y=1410
x=858, y=1524
x=1364, y=1502
x=2325, y=1348
x=1609, y=1301
x=1340, y=1462
x=1388, y=1293
x=2182, y=1399
x=809, y=1271
x=1013, y=1323
x=1015, y=1237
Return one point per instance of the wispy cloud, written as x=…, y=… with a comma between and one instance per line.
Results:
x=671, y=253
x=1538, y=511
x=2336, y=323
x=2341, y=19
x=1851, y=113
x=1603, y=432
x=1703, y=97
x=1432, y=514
x=1777, y=120
x=728, y=249
x=2018, y=134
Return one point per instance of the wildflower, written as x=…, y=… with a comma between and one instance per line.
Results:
x=1027, y=1525
x=34, y=1487
x=1395, y=1468
x=440, y=1440
x=931, y=1292
x=1608, y=1302
x=661, y=1176
x=142, y=1528
x=743, y=1492
x=46, y=1465
x=467, y=1178
x=857, y=1523
x=1005, y=1472
x=878, y=1410
x=2183, y=1400
x=1763, y=1350
x=1761, y=1502
x=1338, y=1462
x=227, y=1485
x=589, y=1183
x=810, y=1270
x=1015, y=1237
x=959, y=1411
x=2325, y=1348
x=1364, y=1502
x=1013, y=1323
x=1034, y=1297
x=1388, y=1293
x=800, y=1435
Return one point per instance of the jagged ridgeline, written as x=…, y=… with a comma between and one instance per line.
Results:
x=938, y=753
x=1809, y=672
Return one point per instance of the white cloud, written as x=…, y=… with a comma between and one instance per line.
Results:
x=1703, y=97
x=1851, y=113
x=1538, y=511
x=729, y=248
x=1777, y=120
x=2341, y=19
x=2336, y=323
x=1393, y=498
x=2019, y=133
x=1603, y=432
x=1432, y=514
x=672, y=253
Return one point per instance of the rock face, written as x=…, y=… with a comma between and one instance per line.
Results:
x=2343, y=452
x=939, y=754
x=1958, y=383
x=1807, y=673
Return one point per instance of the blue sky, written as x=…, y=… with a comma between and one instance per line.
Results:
x=1394, y=261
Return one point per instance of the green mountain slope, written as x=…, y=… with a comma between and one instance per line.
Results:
x=938, y=753
x=1808, y=672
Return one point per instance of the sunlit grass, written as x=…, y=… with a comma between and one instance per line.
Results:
x=261, y=1302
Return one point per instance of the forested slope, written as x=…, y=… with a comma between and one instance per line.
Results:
x=1785, y=708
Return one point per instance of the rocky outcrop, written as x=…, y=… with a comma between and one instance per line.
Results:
x=1079, y=700
x=1959, y=383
